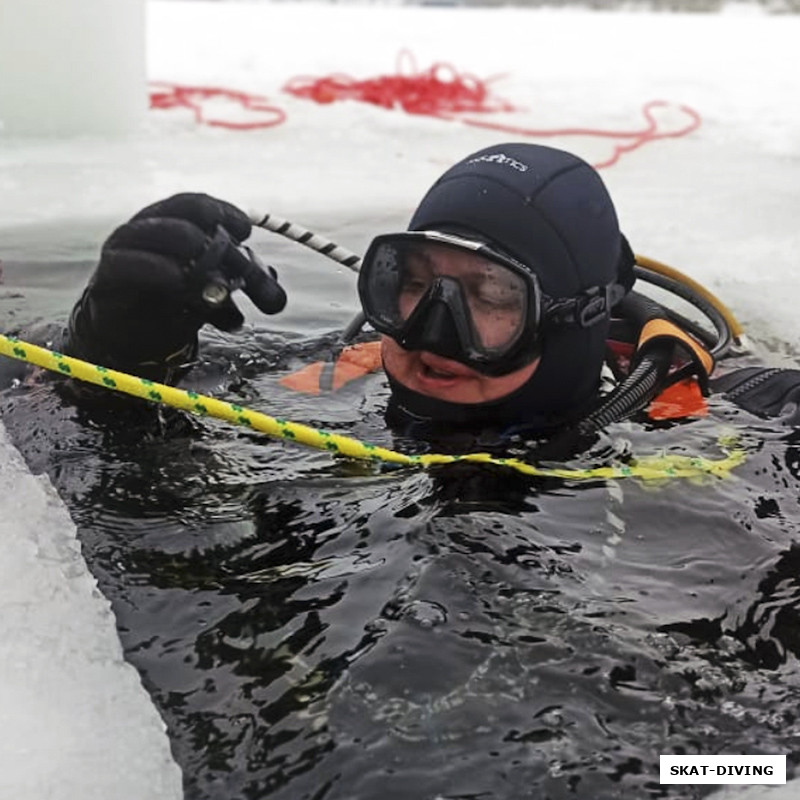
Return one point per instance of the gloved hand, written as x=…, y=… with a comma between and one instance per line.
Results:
x=163, y=275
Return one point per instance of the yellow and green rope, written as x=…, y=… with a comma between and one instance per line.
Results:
x=646, y=468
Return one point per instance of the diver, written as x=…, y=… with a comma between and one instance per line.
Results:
x=510, y=306
x=495, y=309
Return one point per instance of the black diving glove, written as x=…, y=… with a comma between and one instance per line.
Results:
x=160, y=278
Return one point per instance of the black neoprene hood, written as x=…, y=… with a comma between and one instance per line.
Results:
x=551, y=211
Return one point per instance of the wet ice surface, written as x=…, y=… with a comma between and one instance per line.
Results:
x=74, y=718
x=721, y=204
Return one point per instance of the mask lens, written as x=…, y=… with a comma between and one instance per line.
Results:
x=497, y=300
x=380, y=281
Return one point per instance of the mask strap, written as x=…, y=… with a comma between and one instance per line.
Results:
x=586, y=309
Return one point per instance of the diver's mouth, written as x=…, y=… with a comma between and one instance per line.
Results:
x=437, y=374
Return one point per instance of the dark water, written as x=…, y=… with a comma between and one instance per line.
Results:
x=313, y=628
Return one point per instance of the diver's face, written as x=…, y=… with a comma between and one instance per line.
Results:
x=495, y=312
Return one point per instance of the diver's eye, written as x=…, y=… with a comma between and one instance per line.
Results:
x=495, y=294
x=497, y=301
x=415, y=285
x=417, y=275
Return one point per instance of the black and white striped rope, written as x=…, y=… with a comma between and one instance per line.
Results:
x=308, y=238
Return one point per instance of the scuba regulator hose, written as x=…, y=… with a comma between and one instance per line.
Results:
x=729, y=332
x=651, y=371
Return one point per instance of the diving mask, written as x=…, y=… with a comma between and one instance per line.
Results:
x=464, y=299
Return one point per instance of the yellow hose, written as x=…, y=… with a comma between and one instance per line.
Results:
x=670, y=272
x=647, y=468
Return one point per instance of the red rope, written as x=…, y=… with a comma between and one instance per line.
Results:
x=442, y=92
x=649, y=133
x=170, y=95
x=439, y=89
